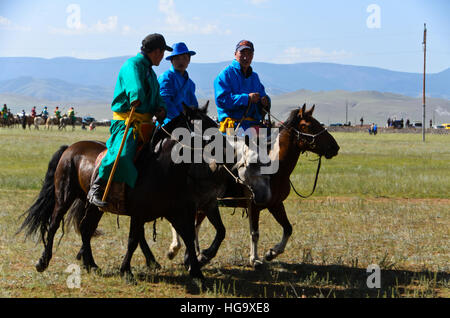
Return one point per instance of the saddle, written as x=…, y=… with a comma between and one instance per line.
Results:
x=116, y=196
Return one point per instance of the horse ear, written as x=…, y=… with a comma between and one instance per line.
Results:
x=310, y=112
x=302, y=111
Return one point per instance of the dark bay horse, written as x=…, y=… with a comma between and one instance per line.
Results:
x=298, y=134
x=163, y=189
x=68, y=180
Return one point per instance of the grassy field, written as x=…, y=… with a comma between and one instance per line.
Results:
x=383, y=200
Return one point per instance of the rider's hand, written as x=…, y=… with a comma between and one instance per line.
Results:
x=265, y=102
x=253, y=98
x=160, y=115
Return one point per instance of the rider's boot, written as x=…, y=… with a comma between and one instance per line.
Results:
x=95, y=193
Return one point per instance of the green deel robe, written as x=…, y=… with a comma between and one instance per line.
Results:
x=136, y=81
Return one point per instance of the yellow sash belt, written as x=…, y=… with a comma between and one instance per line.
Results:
x=137, y=121
x=229, y=123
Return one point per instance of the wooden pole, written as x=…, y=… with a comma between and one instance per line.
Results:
x=424, y=72
x=113, y=171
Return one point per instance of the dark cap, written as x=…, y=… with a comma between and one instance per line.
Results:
x=154, y=41
x=244, y=44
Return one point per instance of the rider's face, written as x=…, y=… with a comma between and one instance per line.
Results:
x=181, y=62
x=244, y=57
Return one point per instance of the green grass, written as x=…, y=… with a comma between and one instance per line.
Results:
x=383, y=200
x=389, y=165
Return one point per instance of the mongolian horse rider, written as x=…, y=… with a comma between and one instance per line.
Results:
x=137, y=86
x=240, y=97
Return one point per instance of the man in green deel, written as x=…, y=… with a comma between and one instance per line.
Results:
x=137, y=85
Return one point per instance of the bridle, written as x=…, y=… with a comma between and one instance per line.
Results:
x=311, y=143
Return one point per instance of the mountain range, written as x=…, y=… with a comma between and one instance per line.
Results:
x=90, y=83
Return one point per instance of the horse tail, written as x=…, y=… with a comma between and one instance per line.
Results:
x=76, y=215
x=39, y=214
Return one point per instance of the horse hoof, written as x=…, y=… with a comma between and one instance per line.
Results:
x=128, y=277
x=41, y=266
x=257, y=264
x=197, y=275
x=171, y=255
x=90, y=267
x=154, y=266
x=270, y=256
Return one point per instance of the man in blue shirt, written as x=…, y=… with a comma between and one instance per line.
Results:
x=240, y=96
x=176, y=87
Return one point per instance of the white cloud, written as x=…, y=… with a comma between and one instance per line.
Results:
x=177, y=24
x=297, y=55
x=6, y=24
x=4, y=21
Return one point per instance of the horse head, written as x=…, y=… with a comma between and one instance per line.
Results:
x=310, y=134
x=246, y=164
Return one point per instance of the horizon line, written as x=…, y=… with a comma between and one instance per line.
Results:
x=220, y=62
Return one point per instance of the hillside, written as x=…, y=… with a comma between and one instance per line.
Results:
x=277, y=78
x=54, y=89
x=373, y=106
x=330, y=106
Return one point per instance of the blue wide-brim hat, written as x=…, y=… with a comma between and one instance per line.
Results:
x=178, y=49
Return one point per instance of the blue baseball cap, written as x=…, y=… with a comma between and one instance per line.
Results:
x=178, y=49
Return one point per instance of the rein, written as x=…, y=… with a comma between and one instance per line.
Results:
x=236, y=179
x=299, y=133
x=315, y=182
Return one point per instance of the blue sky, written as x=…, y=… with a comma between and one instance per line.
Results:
x=283, y=31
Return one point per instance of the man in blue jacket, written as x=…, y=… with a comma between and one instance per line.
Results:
x=240, y=96
x=176, y=87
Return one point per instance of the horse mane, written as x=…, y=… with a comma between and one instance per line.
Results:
x=292, y=120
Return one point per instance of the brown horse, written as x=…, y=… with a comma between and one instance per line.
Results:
x=67, y=183
x=299, y=133
x=163, y=189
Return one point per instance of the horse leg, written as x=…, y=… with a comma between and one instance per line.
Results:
x=253, y=216
x=214, y=217
x=149, y=257
x=57, y=216
x=279, y=213
x=87, y=228
x=186, y=229
x=199, y=217
x=175, y=245
x=136, y=225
